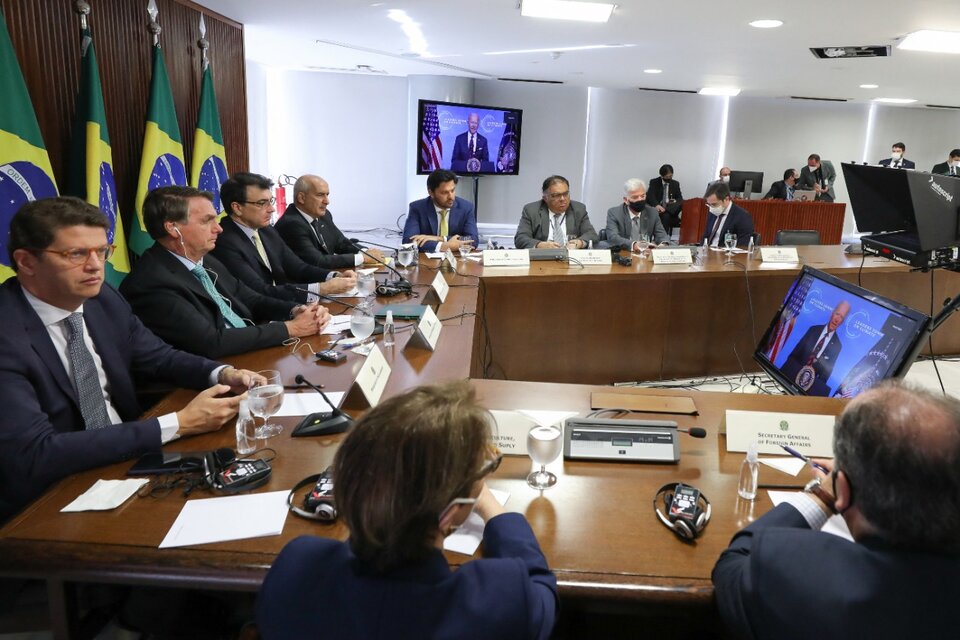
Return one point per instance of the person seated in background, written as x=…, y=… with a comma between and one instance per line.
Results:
x=895, y=481
x=783, y=189
x=818, y=176
x=725, y=217
x=555, y=220
x=665, y=196
x=407, y=474
x=308, y=229
x=896, y=159
x=634, y=219
x=442, y=220
x=255, y=253
x=72, y=354
x=724, y=176
x=190, y=299
x=949, y=168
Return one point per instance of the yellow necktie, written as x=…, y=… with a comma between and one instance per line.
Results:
x=444, y=228
x=263, y=254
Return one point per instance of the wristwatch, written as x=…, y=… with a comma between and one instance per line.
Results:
x=814, y=488
x=221, y=372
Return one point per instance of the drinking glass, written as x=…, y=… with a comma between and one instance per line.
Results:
x=265, y=400
x=361, y=322
x=465, y=249
x=543, y=447
x=644, y=241
x=406, y=254
x=730, y=241
x=366, y=284
x=571, y=241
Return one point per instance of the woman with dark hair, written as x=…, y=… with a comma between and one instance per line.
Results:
x=408, y=474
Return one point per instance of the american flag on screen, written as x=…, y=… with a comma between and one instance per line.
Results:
x=789, y=318
x=431, y=149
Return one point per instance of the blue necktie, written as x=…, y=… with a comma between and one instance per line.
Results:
x=93, y=407
x=232, y=319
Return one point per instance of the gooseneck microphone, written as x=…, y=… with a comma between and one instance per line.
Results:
x=321, y=423
x=695, y=432
x=402, y=284
x=356, y=242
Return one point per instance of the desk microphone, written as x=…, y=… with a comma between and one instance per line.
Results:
x=356, y=241
x=321, y=423
x=325, y=297
x=695, y=432
x=403, y=284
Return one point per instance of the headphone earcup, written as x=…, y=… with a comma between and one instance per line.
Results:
x=701, y=520
x=683, y=530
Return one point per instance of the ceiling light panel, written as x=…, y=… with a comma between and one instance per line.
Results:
x=567, y=10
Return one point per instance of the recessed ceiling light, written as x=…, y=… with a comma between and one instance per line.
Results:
x=766, y=24
x=653, y=70
x=719, y=91
x=869, y=86
x=559, y=49
x=895, y=100
x=929, y=40
x=566, y=10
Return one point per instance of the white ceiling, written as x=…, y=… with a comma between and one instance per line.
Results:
x=694, y=42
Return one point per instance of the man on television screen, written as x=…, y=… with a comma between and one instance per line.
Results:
x=471, y=147
x=812, y=359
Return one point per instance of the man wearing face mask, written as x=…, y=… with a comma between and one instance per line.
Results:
x=725, y=217
x=783, y=189
x=724, y=177
x=896, y=159
x=632, y=219
x=949, y=168
x=665, y=196
x=818, y=176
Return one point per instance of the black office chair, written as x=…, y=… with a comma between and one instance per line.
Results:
x=603, y=234
x=794, y=237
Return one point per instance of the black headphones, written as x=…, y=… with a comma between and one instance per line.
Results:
x=323, y=510
x=391, y=289
x=686, y=530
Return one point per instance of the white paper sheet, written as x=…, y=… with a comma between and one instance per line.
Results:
x=547, y=418
x=835, y=524
x=436, y=255
x=352, y=293
x=467, y=538
x=306, y=402
x=337, y=324
x=105, y=495
x=789, y=465
x=209, y=520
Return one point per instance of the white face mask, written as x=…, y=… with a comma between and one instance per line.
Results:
x=896, y=155
x=725, y=178
x=716, y=209
x=952, y=163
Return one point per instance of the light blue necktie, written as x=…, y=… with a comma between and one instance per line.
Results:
x=93, y=407
x=231, y=318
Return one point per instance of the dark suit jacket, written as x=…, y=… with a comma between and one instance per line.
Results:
x=655, y=192
x=738, y=221
x=174, y=305
x=462, y=152
x=943, y=169
x=823, y=367
x=620, y=226
x=778, y=191
x=318, y=588
x=334, y=251
x=904, y=163
x=535, y=225
x=422, y=219
x=42, y=437
x=238, y=254
x=779, y=579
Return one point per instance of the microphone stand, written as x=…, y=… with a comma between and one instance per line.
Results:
x=321, y=423
x=402, y=283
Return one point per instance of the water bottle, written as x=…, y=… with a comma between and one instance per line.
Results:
x=246, y=430
x=589, y=245
x=389, y=330
x=747, y=485
x=750, y=247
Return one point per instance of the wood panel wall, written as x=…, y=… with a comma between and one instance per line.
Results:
x=46, y=38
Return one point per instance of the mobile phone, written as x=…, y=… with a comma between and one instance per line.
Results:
x=331, y=355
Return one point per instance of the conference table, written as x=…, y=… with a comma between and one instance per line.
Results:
x=597, y=526
x=770, y=216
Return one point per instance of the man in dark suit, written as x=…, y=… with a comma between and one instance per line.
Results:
x=471, y=144
x=896, y=159
x=949, y=168
x=664, y=194
x=633, y=218
x=549, y=222
x=72, y=353
x=783, y=189
x=895, y=481
x=725, y=217
x=441, y=221
x=190, y=299
x=819, y=176
x=818, y=349
x=255, y=254
x=308, y=229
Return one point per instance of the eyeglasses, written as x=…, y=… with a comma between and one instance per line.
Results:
x=80, y=256
x=559, y=196
x=262, y=204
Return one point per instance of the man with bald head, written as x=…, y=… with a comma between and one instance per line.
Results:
x=895, y=481
x=308, y=229
x=811, y=362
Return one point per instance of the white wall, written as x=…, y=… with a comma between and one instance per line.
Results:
x=930, y=134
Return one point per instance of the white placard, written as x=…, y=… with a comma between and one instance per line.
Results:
x=810, y=434
x=373, y=376
x=506, y=258
x=779, y=254
x=448, y=256
x=590, y=256
x=672, y=256
x=440, y=285
x=427, y=332
x=512, y=430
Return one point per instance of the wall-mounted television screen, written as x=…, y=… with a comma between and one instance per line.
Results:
x=834, y=339
x=468, y=138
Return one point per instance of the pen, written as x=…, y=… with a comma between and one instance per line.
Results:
x=797, y=454
x=794, y=487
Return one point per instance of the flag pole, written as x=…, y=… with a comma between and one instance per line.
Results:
x=153, y=26
x=203, y=43
x=82, y=8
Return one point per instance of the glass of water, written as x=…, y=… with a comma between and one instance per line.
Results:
x=366, y=284
x=406, y=254
x=362, y=321
x=265, y=400
x=466, y=248
x=730, y=241
x=644, y=241
x=543, y=447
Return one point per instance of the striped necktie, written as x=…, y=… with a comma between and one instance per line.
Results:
x=231, y=319
x=86, y=381
x=559, y=233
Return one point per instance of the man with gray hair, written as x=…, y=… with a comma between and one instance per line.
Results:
x=554, y=221
x=896, y=483
x=633, y=224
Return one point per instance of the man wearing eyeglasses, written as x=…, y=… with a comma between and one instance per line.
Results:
x=190, y=299
x=70, y=350
x=554, y=221
x=255, y=253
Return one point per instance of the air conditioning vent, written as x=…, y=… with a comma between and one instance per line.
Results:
x=818, y=99
x=667, y=90
x=834, y=53
x=532, y=81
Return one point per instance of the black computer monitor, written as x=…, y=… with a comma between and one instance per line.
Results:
x=876, y=338
x=738, y=181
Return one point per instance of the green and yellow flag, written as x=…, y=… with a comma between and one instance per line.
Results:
x=25, y=171
x=162, y=161
x=209, y=168
x=91, y=160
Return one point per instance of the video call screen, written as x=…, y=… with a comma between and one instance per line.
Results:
x=468, y=139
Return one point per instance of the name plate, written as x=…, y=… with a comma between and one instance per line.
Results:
x=373, y=376
x=506, y=258
x=440, y=285
x=811, y=435
x=779, y=254
x=672, y=256
x=512, y=430
x=427, y=332
x=448, y=256
x=590, y=256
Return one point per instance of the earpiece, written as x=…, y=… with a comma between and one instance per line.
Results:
x=179, y=235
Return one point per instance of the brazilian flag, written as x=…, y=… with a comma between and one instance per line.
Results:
x=209, y=169
x=91, y=160
x=161, y=164
x=25, y=171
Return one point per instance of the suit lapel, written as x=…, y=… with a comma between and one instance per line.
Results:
x=246, y=245
x=43, y=346
x=433, y=218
